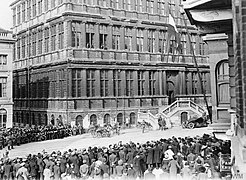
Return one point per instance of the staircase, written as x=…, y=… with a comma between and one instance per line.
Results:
x=171, y=113
x=182, y=105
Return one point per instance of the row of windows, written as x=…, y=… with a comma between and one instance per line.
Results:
x=31, y=8
x=40, y=41
x=140, y=83
x=133, y=39
x=51, y=38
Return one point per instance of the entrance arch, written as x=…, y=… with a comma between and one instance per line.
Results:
x=93, y=119
x=79, y=120
x=170, y=92
x=120, y=119
x=132, y=118
x=106, y=119
x=3, y=118
x=184, y=117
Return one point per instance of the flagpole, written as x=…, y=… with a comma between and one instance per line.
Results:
x=197, y=68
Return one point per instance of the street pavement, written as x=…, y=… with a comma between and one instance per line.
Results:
x=86, y=140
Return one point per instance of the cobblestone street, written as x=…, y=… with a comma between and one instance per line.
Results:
x=85, y=140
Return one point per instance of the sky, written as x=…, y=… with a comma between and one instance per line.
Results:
x=5, y=14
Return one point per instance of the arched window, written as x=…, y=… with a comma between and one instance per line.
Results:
x=106, y=119
x=120, y=118
x=79, y=120
x=223, y=83
x=93, y=119
x=132, y=118
x=3, y=118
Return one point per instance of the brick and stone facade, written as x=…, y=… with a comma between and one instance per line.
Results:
x=106, y=59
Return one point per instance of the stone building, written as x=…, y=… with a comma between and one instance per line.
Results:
x=6, y=69
x=227, y=16
x=101, y=59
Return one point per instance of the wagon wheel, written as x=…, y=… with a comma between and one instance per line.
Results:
x=191, y=125
x=99, y=134
x=104, y=134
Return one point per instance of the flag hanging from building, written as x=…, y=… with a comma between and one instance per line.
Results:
x=172, y=31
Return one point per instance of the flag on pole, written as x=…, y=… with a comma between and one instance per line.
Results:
x=172, y=31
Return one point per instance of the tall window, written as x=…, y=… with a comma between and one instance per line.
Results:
x=152, y=83
x=103, y=37
x=193, y=43
x=140, y=5
x=128, y=5
x=77, y=83
x=53, y=3
x=90, y=32
x=40, y=6
x=150, y=6
x=46, y=5
x=184, y=44
x=3, y=87
x=3, y=59
x=129, y=83
x=172, y=4
x=223, y=82
x=23, y=11
x=140, y=39
x=40, y=41
x=76, y=34
x=62, y=82
x=23, y=44
x=61, y=35
x=201, y=47
x=14, y=16
x=162, y=41
x=53, y=38
x=29, y=13
x=29, y=45
x=117, y=82
x=104, y=83
x=3, y=118
x=141, y=83
x=18, y=14
x=151, y=40
x=91, y=83
x=34, y=43
x=18, y=48
x=46, y=40
x=115, y=4
x=52, y=76
x=128, y=39
x=116, y=37
x=194, y=87
x=161, y=7
x=34, y=8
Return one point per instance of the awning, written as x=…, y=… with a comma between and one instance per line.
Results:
x=211, y=15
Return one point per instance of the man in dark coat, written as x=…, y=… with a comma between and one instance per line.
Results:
x=157, y=155
x=150, y=155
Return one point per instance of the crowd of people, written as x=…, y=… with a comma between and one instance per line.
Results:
x=183, y=157
x=21, y=135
